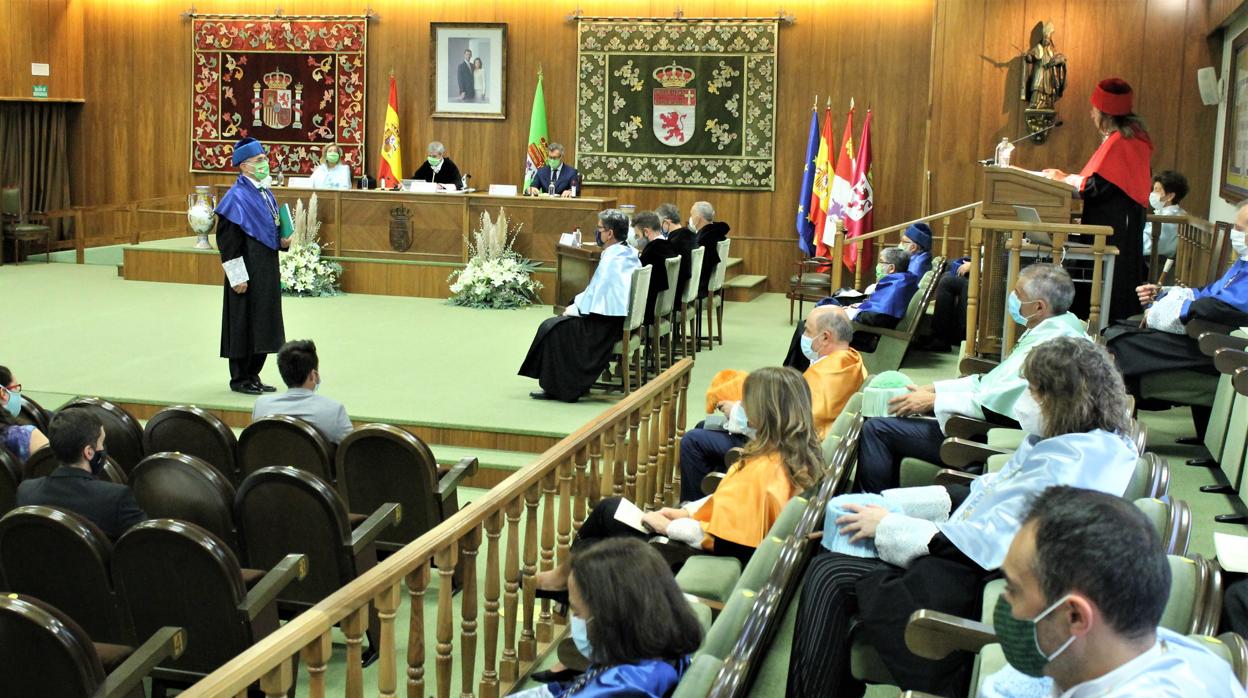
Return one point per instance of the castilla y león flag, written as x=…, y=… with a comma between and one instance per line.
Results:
x=858, y=214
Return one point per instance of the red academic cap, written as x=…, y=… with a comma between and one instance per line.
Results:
x=1113, y=96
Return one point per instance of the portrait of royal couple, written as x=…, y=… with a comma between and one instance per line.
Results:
x=470, y=79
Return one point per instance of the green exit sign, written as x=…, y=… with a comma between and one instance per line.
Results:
x=41, y=91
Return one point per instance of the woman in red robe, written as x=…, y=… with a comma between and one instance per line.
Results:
x=1114, y=186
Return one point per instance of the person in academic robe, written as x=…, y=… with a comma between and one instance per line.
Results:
x=655, y=251
x=570, y=351
x=934, y=548
x=683, y=240
x=834, y=374
x=917, y=241
x=439, y=169
x=1040, y=301
x=331, y=173
x=1141, y=351
x=710, y=233
x=555, y=173
x=1114, y=185
x=248, y=239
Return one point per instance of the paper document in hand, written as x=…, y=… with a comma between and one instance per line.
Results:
x=629, y=515
x=1232, y=551
x=236, y=271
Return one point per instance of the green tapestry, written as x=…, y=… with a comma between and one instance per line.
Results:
x=677, y=103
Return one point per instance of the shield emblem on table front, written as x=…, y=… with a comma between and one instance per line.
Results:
x=675, y=105
x=400, y=229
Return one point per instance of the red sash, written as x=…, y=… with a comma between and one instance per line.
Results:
x=1125, y=163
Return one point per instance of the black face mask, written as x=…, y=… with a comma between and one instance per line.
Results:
x=97, y=462
x=598, y=237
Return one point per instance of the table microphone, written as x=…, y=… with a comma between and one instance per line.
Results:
x=992, y=160
x=1161, y=279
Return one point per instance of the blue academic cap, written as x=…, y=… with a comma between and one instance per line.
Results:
x=247, y=149
x=921, y=235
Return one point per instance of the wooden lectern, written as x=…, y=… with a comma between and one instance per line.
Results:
x=574, y=267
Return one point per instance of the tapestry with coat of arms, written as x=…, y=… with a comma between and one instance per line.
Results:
x=677, y=103
x=296, y=84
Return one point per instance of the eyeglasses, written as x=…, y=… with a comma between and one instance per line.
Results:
x=16, y=387
x=600, y=229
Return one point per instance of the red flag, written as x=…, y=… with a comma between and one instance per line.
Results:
x=859, y=216
x=390, y=169
x=821, y=188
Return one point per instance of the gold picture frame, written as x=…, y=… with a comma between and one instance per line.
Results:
x=468, y=70
x=1234, y=186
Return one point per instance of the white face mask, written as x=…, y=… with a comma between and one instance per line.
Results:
x=1154, y=200
x=691, y=223
x=1027, y=412
x=1238, y=244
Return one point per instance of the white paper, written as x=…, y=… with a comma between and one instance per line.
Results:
x=40, y=69
x=236, y=271
x=423, y=187
x=568, y=240
x=1232, y=551
x=503, y=190
x=629, y=515
x=299, y=182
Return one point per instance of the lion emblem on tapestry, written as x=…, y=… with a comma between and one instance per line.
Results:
x=295, y=83
x=705, y=89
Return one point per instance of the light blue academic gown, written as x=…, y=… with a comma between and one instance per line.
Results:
x=607, y=292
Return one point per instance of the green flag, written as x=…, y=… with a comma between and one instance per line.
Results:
x=535, y=153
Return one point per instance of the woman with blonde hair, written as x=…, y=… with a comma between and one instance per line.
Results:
x=332, y=173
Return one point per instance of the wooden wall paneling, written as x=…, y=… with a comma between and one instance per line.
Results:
x=1197, y=123
x=956, y=96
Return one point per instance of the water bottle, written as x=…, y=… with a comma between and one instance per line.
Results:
x=364, y=182
x=1005, y=150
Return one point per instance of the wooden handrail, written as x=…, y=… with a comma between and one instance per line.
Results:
x=925, y=219
x=839, y=240
x=652, y=417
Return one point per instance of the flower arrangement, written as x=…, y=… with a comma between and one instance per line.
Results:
x=496, y=276
x=303, y=272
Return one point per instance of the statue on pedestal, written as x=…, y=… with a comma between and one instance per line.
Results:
x=1044, y=80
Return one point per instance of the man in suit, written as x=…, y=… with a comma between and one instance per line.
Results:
x=683, y=241
x=77, y=438
x=300, y=369
x=655, y=250
x=467, y=90
x=555, y=170
x=710, y=233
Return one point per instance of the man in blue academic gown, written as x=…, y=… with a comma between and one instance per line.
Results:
x=570, y=351
x=917, y=240
x=248, y=239
x=555, y=170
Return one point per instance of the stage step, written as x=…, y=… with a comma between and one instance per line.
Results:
x=745, y=287
x=491, y=459
x=733, y=267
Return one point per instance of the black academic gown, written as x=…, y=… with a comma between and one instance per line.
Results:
x=1105, y=204
x=251, y=322
x=656, y=253
x=449, y=174
x=709, y=237
x=569, y=353
x=683, y=241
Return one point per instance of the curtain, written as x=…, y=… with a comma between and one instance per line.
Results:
x=34, y=156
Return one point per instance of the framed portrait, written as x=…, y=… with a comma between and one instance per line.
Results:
x=469, y=62
x=1235, y=136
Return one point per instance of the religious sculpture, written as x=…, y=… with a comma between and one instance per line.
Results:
x=1044, y=80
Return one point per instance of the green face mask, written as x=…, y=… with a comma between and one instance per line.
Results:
x=260, y=170
x=552, y=163
x=434, y=162
x=331, y=158
x=1018, y=638
x=879, y=271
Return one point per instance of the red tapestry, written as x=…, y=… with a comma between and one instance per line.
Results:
x=295, y=84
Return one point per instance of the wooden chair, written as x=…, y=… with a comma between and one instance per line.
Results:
x=715, y=298
x=18, y=225
x=628, y=351
x=123, y=437
x=10, y=477
x=33, y=413
x=63, y=559
x=41, y=463
x=380, y=463
x=204, y=593
x=282, y=440
x=811, y=281
x=191, y=430
x=664, y=320
x=687, y=305
x=182, y=487
x=891, y=344
x=49, y=655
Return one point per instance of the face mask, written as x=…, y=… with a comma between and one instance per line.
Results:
x=260, y=171
x=552, y=163
x=808, y=348
x=1027, y=412
x=691, y=223
x=1238, y=244
x=580, y=635
x=14, y=405
x=434, y=162
x=1018, y=638
x=1015, y=306
x=879, y=271
x=331, y=158
x=635, y=240
x=97, y=461
x=1154, y=200
x=598, y=237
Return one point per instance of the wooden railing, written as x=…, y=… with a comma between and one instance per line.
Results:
x=1196, y=248
x=939, y=222
x=630, y=450
x=130, y=222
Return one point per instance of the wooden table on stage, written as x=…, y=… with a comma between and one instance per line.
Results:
x=356, y=222
x=574, y=267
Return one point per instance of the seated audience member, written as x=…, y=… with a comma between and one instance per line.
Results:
x=834, y=374
x=300, y=368
x=1169, y=188
x=76, y=436
x=917, y=242
x=332, y=173
x=710, y=233
x=570, y=351
x=949, y=314
x=655, y=250
x=439, y=169
x=630, y=653
x=1040, y=301
x=555, y=177
x=779, y=463
x=1163, y=345
x=940, y=554
x=683, y=241
x=20, y=439
x=1087, y=582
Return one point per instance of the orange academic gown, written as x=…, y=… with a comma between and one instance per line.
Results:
x=747, y=502
x=832, y=380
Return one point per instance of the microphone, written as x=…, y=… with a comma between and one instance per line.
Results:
x=992, y=160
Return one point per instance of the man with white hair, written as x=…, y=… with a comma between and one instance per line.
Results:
x=439, y=169
x=710, y=233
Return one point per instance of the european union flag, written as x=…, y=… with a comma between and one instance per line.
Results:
x=805, y=227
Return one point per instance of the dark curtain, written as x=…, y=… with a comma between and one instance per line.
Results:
x=34, y=156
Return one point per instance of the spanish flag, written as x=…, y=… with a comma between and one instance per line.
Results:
x=390, y=171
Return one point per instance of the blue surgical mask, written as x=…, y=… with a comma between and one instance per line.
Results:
x=808, y=348
x=14, y=405
x=1015, y=306
x=580, y=635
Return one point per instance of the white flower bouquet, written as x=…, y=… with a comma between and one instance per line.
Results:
x=496, y=276
x=303, y=271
